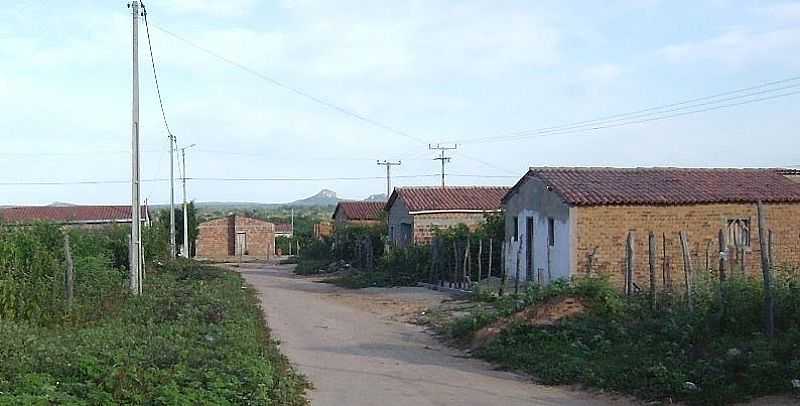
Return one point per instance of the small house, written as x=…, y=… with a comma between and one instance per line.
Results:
x=567, y=222
x=234, y=236
x=72, y=215
x=415, y=212
x=358, y=213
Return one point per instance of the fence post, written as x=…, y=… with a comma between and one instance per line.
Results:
x=465, y=266
x=708, y=256
x=769, y=303
x=653, y=259
x=687, y=268
x=770, y=241
x=590, y=261
x=630, y=257
x=503, y=266
x=491, y=254
x=69, y=277
x=516, y=275
x=723, y=256
x=455, y=264
x=480, y=260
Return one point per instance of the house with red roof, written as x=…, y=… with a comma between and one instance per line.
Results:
x=358, y=213
x=83, y=216
x=415, y=212
x=568, y=222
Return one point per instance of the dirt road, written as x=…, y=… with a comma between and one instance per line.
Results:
x=355, y=356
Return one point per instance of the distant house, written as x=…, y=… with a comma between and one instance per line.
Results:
x=414, y=212
x=284, y=230
x=76, y=216
x=556, y=219
x=792, y=174
x=358, y=213
x=235, y=235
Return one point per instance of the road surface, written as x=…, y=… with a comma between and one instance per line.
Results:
x=355, y=357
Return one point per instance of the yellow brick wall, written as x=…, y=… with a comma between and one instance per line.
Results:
x=425, y=224
x=607, y=227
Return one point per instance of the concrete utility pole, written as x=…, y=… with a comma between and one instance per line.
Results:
x=135, y=266
x=172, y=248
x=185, y=250
x=388, y=165
x=442, y=149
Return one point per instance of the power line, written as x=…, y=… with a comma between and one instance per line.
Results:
x=640, y=121
x=292, y=89
x=601, y=122
x=153, y=64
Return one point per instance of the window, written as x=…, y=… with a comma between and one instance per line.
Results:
x=739, y=232
x=515, y=236
x=551, y=232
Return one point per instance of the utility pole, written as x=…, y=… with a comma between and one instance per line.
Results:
x=442, y=149
x=172, y=248
x=135, y=266
x=185, y=250
x=388, y=165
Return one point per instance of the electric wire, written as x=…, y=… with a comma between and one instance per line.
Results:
x=155, y=75
x=292, y=89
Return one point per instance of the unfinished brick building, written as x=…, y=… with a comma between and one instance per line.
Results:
x=556, y=218
x=415, y=212
x=233, y=236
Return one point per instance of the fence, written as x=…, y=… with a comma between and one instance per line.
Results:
x=458, y=263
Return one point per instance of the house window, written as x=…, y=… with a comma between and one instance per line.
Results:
x=516, y=229
x=739, y=232
x=551, y=232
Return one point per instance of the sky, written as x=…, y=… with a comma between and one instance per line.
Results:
x=407, y=73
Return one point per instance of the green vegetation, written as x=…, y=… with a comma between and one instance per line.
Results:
x=196, y=336
x=619, y=343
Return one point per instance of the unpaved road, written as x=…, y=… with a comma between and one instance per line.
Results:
x=357, y=356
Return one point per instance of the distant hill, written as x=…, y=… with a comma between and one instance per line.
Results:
x=380, y=197
x=325, y=197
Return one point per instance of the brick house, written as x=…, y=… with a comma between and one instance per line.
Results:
x=235, y=235
x=556, y=217
x=72, y=216
x=414, y=212
x=358, y=213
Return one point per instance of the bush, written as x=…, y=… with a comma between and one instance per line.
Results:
x=621, y=344
x=195, y=337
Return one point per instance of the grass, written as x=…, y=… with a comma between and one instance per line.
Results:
x=670, y=354
x=196, y=335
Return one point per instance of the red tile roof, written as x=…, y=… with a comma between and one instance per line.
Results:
x=283, y=228
x=450, y=198
x=360, y=210
x=664, y=186
x=68, y=214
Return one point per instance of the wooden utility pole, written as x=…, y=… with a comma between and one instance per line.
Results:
x=766, y=271
x=173, y=250
x=388, y=165
x=134, y=268
x=444, y=159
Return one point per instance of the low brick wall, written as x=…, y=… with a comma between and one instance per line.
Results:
x=607, y=227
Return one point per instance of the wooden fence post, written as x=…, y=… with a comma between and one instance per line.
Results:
x=769, y=303
x=503, y=252
x=480, y=260
x=708, y=256
x=455, y=264
x=590, y=261
x=687, y=268
x=491, y=257
x=465, y=268
x=69, y=277
x=630, y=257
x=723, y=256
x=516, y=275
x=653, y=263
x=771, y=241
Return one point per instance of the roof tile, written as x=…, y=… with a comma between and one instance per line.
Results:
x=485, y=198
x=665, y=186
x=361, y=210
x=67, y=214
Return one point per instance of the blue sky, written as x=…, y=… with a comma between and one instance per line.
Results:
x=437, y=70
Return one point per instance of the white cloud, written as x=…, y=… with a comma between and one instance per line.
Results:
x=783, y=12
x=739, y=48
x=213, y=8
